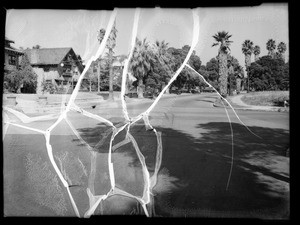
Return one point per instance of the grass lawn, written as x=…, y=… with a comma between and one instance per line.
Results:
x=266, y=98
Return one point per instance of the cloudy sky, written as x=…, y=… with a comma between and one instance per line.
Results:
x=78, y=28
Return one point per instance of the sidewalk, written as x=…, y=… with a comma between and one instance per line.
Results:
x=237, y=103
x=30, y=103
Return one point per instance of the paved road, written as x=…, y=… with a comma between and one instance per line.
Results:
x=201, y=174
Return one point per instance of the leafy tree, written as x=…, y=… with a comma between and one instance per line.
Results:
x=24, y=78
x=222, y=40
x=13, y=81
x=186, y=78
x=269, y=74
x=212, y=68
x=111, y=43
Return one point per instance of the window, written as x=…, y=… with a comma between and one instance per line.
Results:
x=12, y=60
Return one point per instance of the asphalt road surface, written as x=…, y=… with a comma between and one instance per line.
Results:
x=212, y=165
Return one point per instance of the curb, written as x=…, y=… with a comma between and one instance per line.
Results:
x=253, y=108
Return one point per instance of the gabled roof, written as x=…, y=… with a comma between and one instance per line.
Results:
x=46, y=56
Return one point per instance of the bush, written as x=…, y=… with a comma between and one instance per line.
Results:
x=49, y=87
x=13, y=81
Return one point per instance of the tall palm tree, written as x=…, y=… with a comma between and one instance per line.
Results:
x=111, y=43
x=256, y=51
x=140, y=63
x=281, y=50
x=222, y=39
x=271, y=46
x=247, y=49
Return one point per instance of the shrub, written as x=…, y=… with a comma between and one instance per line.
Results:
x=49, y=87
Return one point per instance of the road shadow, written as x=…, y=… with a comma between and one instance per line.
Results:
x=196, y=179
x=259, y=179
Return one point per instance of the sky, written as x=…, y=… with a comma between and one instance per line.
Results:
x=78, y=28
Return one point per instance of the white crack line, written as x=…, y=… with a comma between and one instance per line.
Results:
x=196, y=30
x=26, y=119
x=6, y=124
x=225, y=101
x=71, y=101
x=76, y=108
x=125, y=70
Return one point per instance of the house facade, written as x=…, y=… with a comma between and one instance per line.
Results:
x=12, y=56
x=59, y=66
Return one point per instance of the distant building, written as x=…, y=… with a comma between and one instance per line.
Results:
x=60, y=66
x=12, y=56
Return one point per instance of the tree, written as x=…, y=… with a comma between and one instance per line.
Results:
x=140, y=63
x=111, y=43
x=256, y=51
x=100, y=37
x=239, y=76
x=269, y=74
x=247, y=49
x=13, y=81
x=281, y=48
x=222, y=39
x=29, y=76
x=162, y=63
x=271, y=46
x=234, y=72
x=24, y=78
x=212, y=67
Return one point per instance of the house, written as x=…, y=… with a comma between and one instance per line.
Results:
x=12, y=56
x=60, y=66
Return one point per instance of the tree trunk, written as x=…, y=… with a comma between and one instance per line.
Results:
x=140, y=88
x=238, y=85
x=256, y=57
x=223, y=73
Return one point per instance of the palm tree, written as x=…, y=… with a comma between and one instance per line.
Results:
x=160, y=50
x=281, y=50
x=247, y=49
x=256, y=51
x=140, y=63
x=111, y=43
x=271, y=46
x=222, y=39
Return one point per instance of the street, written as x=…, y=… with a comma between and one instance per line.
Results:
x=202, y=173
